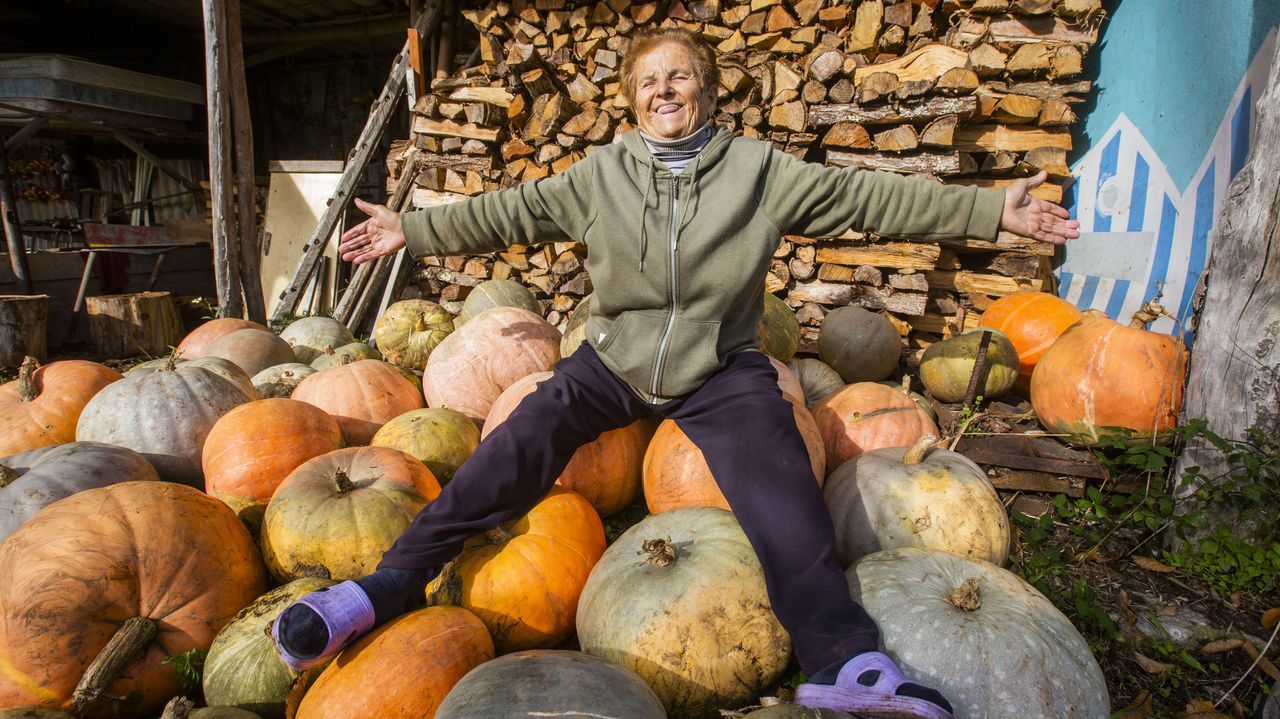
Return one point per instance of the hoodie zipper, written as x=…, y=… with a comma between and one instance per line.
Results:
x=675, y=288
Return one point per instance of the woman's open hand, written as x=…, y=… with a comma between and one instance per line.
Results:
x=379, y=235
x=1032, y=217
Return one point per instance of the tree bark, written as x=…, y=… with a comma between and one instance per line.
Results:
x=1235, y=385
x=246, y=207
x=23, y=328
x=146, y=323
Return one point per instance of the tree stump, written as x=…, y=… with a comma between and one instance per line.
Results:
x=23, y=319
x=130, y=325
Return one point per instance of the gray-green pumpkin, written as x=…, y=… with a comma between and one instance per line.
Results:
x=946, y=366
x=242, y=669
x=310, y=335
x=816, y=378
x=408, y=331
x=497, y=293
x=280, y=380
x=861, y=345
x=547, y=682
x=346, y=354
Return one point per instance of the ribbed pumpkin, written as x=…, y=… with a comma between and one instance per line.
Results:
x=523, y=577
x=128, y=558
x=30, y=481
x=165, y=416
x=362, y=396
x=779, y=329
x=1104, y=379
x=496, y=293
x=346, y=354
x=860, y=345
x=676, y=473
x=252, y=448
x=606, y=472
x=402, y=669
x=409, y=330
x=680, y=600
x=947, y=366
x=335, y=515
x=472, y=366
x=946, y=619
x=1032, y=321
x=865, y=416
x=252, y=350
x=225, y=369
x=575, y=330
x=817, y=379
x=193, y=346
x=440, y=438
x=42, y=406
x=309, y=336
x=914, y=497
x=281, y=380
x=547, y=683
x=243, y=668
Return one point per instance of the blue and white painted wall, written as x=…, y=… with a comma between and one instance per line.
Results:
x=1173, y=123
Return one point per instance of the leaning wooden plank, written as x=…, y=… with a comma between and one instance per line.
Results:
x=820, y=115
x=365, y=146
x=993, y=138
x=933, y=163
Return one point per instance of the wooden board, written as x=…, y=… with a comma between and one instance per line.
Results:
x=295, y=202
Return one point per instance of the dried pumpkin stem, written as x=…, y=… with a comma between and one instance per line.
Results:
x=446, y=589
x=178, y=708
x=915, y=453
x=661, y=552
x=125, y=645
x=967, y=596
x=27, y=391
x=7, y=475
x=343, y=482
x=497, y=535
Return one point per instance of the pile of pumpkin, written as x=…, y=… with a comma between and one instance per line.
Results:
x=149, y=514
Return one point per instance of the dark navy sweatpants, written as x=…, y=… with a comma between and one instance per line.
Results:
x=746, y=431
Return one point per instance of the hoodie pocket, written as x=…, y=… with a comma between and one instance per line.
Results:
x=631, y=345
x=690, y=358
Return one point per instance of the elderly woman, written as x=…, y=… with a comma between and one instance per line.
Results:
x=680, y=221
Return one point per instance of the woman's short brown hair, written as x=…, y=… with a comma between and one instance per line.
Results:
x=704, y=58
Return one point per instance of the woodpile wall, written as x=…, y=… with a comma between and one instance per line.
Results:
x=973, y=92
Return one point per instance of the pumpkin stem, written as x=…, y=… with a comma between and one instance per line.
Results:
x=967, y=596
x=1149, y=313
x=420, y=323
x=172, y=362
x=662, y=552
x=497, y=535
x=348, y=359
x=7, y=475
x=125, y=645
x=178, y=708
x=343, y=482
x=27, y=391
x=446, y=589
x=915, y=453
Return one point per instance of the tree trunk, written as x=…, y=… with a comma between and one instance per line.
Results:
x=1234, y=383
x=226, y=260
x=23, y=321
x=146, y=323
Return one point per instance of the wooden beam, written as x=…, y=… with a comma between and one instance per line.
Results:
x=19, y=138
x=13, y=227
x=226, y=260
x=246, y=207
x=365, y=146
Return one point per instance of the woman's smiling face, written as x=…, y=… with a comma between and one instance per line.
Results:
x=670, y=101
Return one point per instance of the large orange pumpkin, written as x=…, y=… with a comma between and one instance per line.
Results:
x=868, y=415
x=523, y=578
x=134, y=556
x=198, y=340
x=335, y=515
x=41, y=407
x=362, y=396
x=1101, y=378
x=606, y=472
x=471, y=367
x=401, y=670
x=676, y=474
x=252, y=448
x=1032, y=321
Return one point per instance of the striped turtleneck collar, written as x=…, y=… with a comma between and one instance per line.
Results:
x=677, y=154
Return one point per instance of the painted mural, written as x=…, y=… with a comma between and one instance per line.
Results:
x=1123, y=187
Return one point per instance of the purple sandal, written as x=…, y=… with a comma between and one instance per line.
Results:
x=878, y=700
x=346, y=612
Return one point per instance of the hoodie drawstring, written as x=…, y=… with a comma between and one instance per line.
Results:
x=644, y=209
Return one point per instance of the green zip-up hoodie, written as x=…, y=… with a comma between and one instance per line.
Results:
x=678, y=262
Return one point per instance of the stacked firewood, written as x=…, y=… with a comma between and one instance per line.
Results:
x=973, y=92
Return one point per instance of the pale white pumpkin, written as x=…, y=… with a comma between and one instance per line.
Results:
x=166, y=415
x=309, y=336
x=910, y=497
x=991, y=643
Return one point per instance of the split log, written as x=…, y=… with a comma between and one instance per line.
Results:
x=847, y=135
x=1018, y=31
x=897, y=139
x=991, y=138
x=940, y=132
x=929, y=109
x=146, y=323
x=896, y=255
x=23, y=328
x=1017, y=109
x=928, y=163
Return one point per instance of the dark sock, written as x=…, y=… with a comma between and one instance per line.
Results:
x=391, y=591
x=829, y=674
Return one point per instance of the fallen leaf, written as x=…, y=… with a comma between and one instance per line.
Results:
x=1152, y=565
x=1222, y=645
x=1201, y=710
x=1270, y=617
x=1139, y=708
x=1151, y=666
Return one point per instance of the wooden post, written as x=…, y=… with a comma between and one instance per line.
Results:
x=1234, y=384
x=129, y=325
x=13, y=227
x=246, y=209
x=381, y=111
x=23, y=324
x=448, y=28
x=226, y=261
